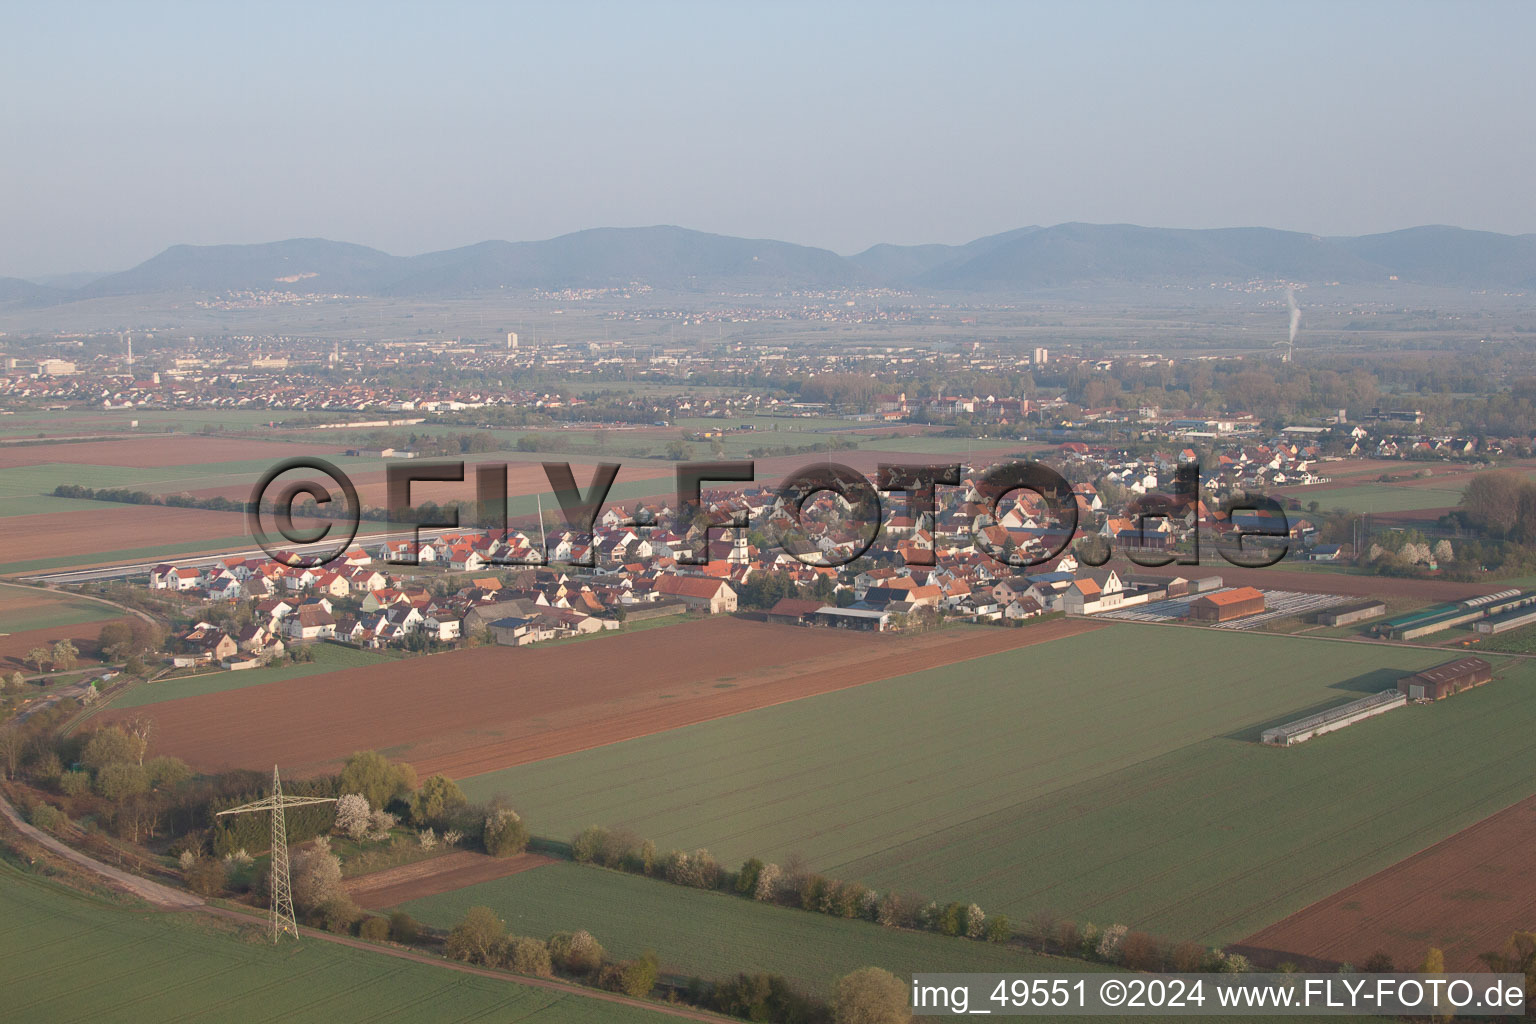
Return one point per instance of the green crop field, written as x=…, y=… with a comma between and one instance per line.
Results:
x=714, y=935
x=328, y=658
x=65, y=956
x=1376, y=498
x=23, y=608
x=929, y=444
x=1515, y=641
x=1112, y=776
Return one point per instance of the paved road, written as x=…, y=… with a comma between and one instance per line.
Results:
x=112, y=572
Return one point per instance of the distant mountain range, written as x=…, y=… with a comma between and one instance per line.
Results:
x=676, y=259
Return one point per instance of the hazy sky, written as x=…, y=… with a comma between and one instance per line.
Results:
x=128, y=127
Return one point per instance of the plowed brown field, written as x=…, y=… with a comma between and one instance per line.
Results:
x=479, y=710
x=1465, y=895
x=438, y=875
x=1323, y=582
x=14, y=646
x=96, y=536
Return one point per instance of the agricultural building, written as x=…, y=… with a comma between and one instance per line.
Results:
x=872, y=619
x=1304, y=729
x=1204, y=585
x=1443, y=616
x=796, y=611
x=1509, y=620
x=1444, y=680
x=1350, y=614
x=1227, y=605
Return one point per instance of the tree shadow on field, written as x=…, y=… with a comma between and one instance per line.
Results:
x=1373, y=681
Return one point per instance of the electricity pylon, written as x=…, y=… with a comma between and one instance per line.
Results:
x=282, y=885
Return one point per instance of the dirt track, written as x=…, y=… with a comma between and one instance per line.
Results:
x=1465, y=895
x=492, y=707
x=438, y=875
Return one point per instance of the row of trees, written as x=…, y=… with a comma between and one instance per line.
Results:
x=866, y=996
x=792, y=885
x=1501, y=505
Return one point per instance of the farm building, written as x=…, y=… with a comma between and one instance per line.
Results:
x=1204, y=585
x=1226, y=605
x=1352, y=613
x=796, y=611
x=1445, y=680
x=1443, y=616
x=1509, y=620
x=699, y=593
x=871, y=619
x=1170, y=586
x=1304, y=729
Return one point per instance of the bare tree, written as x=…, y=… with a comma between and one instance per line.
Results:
x=140, y=727
x=12, y=743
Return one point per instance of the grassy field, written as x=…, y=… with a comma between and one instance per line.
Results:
x=25, y=609
x=328, y=658
x=232, y=542
x=1112, y=776
x=714, y=935
x=68, y=957
x=1375, y=498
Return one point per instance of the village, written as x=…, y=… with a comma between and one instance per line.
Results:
x=474, y=586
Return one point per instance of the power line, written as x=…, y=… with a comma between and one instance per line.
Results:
x=282, y=917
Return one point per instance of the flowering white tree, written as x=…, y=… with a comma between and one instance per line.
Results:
x=1109, y=942
x=1443, y=552
x=975, y=922
x=352, y=816
x=316, y=876
x=427, y=838
x=379, y=824
x=768, y=883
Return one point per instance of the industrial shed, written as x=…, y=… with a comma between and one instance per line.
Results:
x=1444, y=680
x=1352, y=613
x=1227, y=605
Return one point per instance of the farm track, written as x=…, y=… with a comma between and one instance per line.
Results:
x=438, y=875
